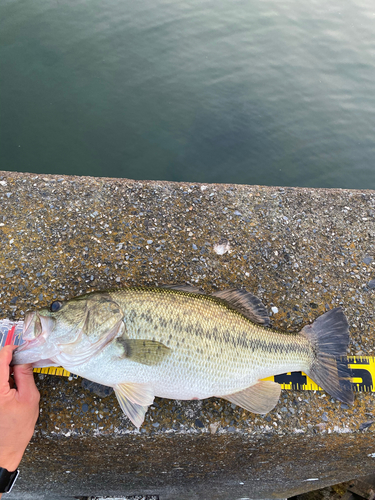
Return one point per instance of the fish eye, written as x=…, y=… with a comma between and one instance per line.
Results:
x=55, y=306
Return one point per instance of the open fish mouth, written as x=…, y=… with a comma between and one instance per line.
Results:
x=32, y=327
x=32, y=332
x=35, y=332
x=36, y=326
x=30, y=315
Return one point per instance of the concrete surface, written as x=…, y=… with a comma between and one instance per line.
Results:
x=301, y=251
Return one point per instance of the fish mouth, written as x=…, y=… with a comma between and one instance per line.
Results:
x=35, y=346
x=28, y=324
x=36, y=329
x=32, y=332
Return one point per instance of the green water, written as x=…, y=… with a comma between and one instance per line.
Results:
x=270, y=92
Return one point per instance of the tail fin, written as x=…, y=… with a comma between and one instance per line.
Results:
x=329, y=336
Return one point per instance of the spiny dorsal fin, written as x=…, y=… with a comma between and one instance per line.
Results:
x=146, y=352
x=184, y=288
x=246, y=303
x=259, y=398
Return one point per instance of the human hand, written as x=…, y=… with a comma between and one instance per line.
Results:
x=19, y=409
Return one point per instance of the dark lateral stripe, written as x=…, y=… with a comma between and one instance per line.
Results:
x=178, y=324
x=275, y=341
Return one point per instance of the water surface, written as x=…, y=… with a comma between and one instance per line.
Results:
x=240, y=91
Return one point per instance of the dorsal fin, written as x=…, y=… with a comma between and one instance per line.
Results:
x=246, y=303
x=184, y=288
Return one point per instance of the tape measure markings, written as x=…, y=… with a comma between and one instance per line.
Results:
x=363, y=369
x=53, y=370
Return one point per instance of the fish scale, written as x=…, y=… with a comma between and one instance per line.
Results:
x=179, y=343
x=205, y=332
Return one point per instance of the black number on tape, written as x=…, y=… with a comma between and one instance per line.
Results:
x=366, y=384
x=294, y=378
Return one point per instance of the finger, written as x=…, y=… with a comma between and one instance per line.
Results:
x=24, y=379
x=5, y=359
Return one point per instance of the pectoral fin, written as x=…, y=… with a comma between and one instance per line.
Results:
x=147, y=352
x=134, y=400
x=259, y=398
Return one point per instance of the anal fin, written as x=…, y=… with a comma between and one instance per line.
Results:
x=134, y=400
x=258, y=398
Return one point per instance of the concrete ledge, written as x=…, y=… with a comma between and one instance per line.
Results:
x=228, y=466
x=300, y=250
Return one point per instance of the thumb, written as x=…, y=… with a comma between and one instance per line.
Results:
x=24, y=378
x=5, y=359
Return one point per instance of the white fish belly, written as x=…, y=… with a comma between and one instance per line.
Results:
x=177, y=378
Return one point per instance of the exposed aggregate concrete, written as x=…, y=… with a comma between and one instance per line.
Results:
x=302, y=251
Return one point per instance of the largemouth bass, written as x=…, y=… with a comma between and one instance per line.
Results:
x=176, y=342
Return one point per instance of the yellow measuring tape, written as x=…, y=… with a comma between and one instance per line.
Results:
x=363, y=369
x=363, y=373
x=53, y=370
